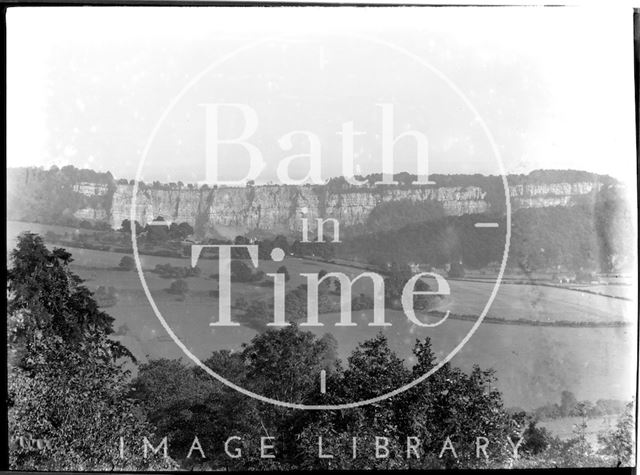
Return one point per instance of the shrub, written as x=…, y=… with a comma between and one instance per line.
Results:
x=456, y=271
x=127, y=263
x=283, y=270
x=362, y=302
x=178, y=287
x=241, y=272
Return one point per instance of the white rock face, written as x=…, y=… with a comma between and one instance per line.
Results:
x=91, y=189
x=272, y=208
x=279, y=208
x=92, y=214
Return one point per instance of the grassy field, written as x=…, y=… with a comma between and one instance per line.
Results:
x=626, y=291
x=533, y=364
x=563, y=427
x=535, y=302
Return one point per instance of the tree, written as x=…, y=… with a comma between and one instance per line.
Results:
x=125, y=227
x=297, y=248
x=461, y=406
x=281, y=242
x=239, y=252
x=264, y=249
x=181, y=403
x=179, y=287
x=283, y=270
x=240, y=272
x=60, y=305
x=180, y=231
x=373, y=360
x=456, y=271
x=295, y=304
x=536, y=439
x=449, y=404
x=394, y=285
x=127, y=263
x=618, y=442
x=77, y=402
x=285, y=364
x=66, y=382
x=157, y=233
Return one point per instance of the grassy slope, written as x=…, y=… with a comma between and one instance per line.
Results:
x=533, y=364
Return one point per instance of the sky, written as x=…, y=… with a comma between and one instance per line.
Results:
x=98, y=87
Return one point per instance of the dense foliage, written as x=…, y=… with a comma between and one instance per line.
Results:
x=71, y=397
x=284, y=364
x=591, y=235
x=67, y=385
x=588, y=232
x=167, y=271
x=53, y=196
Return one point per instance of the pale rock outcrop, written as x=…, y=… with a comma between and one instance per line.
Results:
x=280, y=208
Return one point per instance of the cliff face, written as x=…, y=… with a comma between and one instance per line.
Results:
x=59, y=196
x=277, y=208
x=554, y=194
x=229, y=211
x=62, y=196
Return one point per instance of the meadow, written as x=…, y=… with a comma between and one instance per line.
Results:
x=537, y=302
x=564, y=427
x=533, y=363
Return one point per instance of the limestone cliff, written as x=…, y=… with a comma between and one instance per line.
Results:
x=229, y=211
x=64, y=195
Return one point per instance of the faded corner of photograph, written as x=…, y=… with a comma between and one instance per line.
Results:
x=304, y=238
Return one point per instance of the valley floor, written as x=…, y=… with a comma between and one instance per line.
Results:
x=533, y=363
